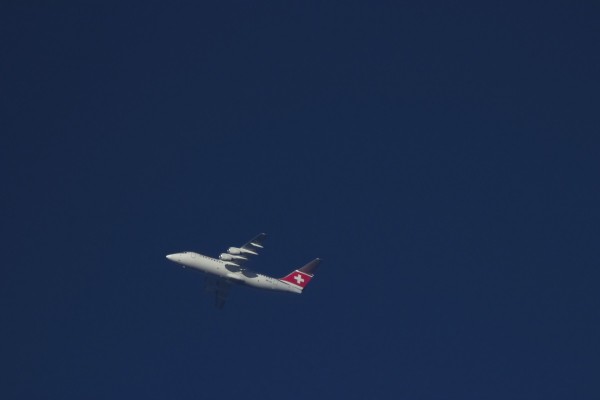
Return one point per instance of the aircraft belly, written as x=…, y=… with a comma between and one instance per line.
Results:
x=215, y=267
x=259, y=282
x=207, y=265
x=284, y=287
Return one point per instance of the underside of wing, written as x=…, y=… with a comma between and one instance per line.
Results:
x=236, y=257
x=221, y=293
x=220, y=287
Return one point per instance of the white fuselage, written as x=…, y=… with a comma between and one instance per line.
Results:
x=230, y=272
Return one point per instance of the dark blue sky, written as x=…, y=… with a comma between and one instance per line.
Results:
x=442, y=159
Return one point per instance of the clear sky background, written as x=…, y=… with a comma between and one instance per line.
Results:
x=442, y=159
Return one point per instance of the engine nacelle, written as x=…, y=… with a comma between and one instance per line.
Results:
x=234, y=250
x=229, y=257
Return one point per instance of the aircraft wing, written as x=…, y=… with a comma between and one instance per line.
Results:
x=220, y=287
x=238, y=256
x=221, y=293
x=255, y=243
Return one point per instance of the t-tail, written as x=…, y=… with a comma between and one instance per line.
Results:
x=302, y=276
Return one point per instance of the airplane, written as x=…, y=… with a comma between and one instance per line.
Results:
x=229, y=269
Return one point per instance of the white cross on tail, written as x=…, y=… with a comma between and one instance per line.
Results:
x=299, y=279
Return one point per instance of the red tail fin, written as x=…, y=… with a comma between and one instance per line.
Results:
x=302, y=276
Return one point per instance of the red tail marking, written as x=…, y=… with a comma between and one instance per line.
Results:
x=298, y=278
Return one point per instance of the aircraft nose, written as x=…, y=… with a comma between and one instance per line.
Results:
x=171, y=257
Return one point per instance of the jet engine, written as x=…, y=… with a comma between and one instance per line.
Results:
x=237, y=251
x=234, y=250
x=229, y=257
